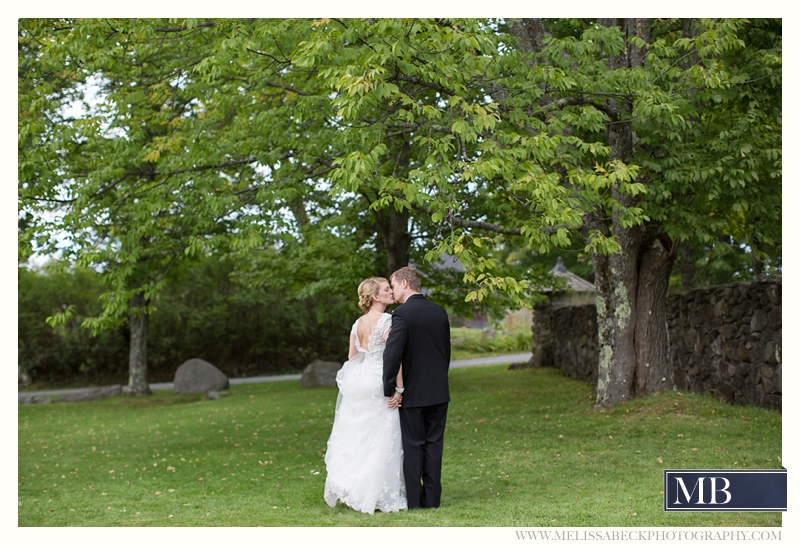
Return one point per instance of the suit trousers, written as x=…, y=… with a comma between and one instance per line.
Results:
x=423, y=444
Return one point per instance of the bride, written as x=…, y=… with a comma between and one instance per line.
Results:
x=364, y=459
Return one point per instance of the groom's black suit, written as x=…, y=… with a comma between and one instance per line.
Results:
x=420, y=340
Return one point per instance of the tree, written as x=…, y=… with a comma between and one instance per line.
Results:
x=189, y=145
x=638, y=134
x=130, y=183
x=434, y=136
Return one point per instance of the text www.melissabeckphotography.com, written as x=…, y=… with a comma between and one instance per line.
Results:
x=648, y=535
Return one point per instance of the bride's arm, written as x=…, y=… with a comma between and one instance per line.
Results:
x=353, y=349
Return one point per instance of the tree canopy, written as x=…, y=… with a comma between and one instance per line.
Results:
x=350, y=139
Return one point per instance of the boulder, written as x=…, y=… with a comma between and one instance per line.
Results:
x=23, y=378
x=197, y=376
x=320, y=373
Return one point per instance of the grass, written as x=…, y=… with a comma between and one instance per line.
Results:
x=523, y=448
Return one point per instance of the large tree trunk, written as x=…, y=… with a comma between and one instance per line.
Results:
x=137, y=377
x=654, y=371
x=616, y=281
x=631, y=297
x=631, y=285
x=394, y=239
x=398, y=241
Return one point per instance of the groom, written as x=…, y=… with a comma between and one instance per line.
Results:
x=420, y=340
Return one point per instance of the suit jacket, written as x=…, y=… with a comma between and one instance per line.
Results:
x=420, y=340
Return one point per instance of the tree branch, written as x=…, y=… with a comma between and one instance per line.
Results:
x=285, y=87
x=182, y=29
x=483, y=225
x=244, y=161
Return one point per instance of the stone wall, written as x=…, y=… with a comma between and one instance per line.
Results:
x=574, y=348
x=724, y=340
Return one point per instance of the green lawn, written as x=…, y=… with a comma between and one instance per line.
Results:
x=523, y=448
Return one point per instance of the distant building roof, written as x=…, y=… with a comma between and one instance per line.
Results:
x=447, y=261
x=574, y=282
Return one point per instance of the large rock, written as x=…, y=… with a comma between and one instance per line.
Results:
x=23, y=378
x=197, y=376
x=320, y=373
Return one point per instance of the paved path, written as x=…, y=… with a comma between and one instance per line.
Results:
x=474, y=362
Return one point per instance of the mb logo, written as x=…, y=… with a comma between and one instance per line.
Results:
x=725, y=490
x=713, y=488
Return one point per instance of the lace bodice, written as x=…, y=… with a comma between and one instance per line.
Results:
x=377, y=337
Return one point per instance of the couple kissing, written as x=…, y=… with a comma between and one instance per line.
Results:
x=385, y=448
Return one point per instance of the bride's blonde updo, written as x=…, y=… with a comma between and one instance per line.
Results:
x=368, y=288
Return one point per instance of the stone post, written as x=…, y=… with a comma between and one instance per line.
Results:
x=542, y=335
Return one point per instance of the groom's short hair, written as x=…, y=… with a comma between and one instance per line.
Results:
x=410, y=275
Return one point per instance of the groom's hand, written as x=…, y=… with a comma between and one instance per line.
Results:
x=395, y=401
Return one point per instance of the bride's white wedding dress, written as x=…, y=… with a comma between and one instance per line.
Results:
x=364, y=459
